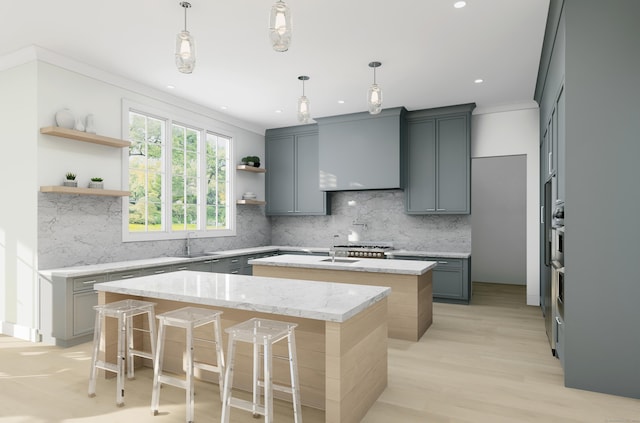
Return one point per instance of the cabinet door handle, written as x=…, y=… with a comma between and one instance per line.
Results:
x=157, y=272
x=127, y=276
x=442, y=209
x=182, y=268
x=234, y=272
x=431, y=209
x=541, y=214
x=89, y=282
x=443, y=262
x=235, y=260
x=550, y=162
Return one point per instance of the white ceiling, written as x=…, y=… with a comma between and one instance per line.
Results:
x=431, y=53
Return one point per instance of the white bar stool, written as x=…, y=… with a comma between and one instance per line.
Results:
x=266, y=333
x=187, y=318
x=124, y=311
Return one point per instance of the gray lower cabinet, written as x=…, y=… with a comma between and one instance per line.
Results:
x=451, y=278
x=292, y=183
x=438, y=161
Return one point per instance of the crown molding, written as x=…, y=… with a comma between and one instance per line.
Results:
x=505, y=108
x=37, y=53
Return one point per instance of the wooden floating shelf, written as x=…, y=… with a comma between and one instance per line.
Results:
x=251, y=168
x=252, y=202
x=84, y=136
x=59, y=189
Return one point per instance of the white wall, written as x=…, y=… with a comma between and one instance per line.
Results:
x=18, y=214
x=507, y=134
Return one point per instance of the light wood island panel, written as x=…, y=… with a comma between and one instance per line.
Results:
x=410, y=301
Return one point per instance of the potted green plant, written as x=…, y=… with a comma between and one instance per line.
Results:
x=70, y=180
x=256, y=161
x=251, y=161
x=96, y=182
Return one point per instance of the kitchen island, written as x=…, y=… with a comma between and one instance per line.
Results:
x=341, y=335
x=410, y=301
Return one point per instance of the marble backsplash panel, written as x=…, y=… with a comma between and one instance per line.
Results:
x=373, y=216
x=75, y=230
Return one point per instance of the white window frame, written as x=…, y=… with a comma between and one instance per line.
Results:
x=174, y=115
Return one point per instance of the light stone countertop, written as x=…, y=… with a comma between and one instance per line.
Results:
x=123, y=266
x=404, y=267
x=326, y=301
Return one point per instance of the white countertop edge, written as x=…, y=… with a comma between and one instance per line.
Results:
x=143, y=287
x=398, y=267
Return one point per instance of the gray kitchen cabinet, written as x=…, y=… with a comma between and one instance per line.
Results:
x=451, y=278
x=360, y=151
x=438, y=161
x=126, y=274
x=560, y=146
x=293, y=179
x=66, y=308
x=157, y=270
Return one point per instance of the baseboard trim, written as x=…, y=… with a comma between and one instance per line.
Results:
x=20, y=332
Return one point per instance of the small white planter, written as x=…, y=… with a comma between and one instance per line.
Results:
x=69, y=183
x=96, y=185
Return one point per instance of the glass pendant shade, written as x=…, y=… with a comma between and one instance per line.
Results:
x=303, y=110
x=374, y=98
x=280, y=26
x=303, y=103
x=185, y=52
x=374, y=95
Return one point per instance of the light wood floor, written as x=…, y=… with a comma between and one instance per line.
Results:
x=486, y=362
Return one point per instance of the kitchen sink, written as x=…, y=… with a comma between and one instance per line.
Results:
x=341, y=260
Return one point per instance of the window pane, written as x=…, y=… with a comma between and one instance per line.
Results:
x=145, y=173
x=187, y=173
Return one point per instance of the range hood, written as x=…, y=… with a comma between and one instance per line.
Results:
x=360, y=151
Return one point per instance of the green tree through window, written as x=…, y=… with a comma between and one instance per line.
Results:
x=190, y=169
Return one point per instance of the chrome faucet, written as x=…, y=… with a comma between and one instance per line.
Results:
x=188, y=243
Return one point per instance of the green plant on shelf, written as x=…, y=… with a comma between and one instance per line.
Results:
x=70, y=176
x=251, y=161
x=96, y=179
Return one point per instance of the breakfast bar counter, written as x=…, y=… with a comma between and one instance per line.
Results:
x=341, y=335
x=411, y=298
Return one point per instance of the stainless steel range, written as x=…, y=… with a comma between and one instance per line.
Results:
x=364, y=250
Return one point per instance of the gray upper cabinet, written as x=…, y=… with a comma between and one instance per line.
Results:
x=438, y=161
x=360, y=151
x=293, y=178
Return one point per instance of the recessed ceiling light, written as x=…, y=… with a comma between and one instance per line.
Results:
x=171, y=87
x=223, y=107
x=278, y=111
x=459, y=4
x=340, y=101
x=479, y=81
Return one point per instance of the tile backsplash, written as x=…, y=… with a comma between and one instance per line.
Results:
x=79, y=230
x=373, y=216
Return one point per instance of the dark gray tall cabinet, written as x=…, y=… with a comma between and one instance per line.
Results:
x=292, y=182
x=438, y=160
x=588, y=70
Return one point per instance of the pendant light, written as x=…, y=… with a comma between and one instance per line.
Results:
x=303, y=103
x=185, y=46
x=374, y=95
x=280, y=26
